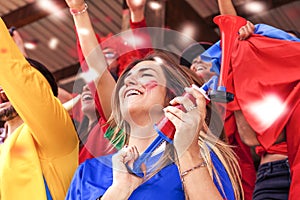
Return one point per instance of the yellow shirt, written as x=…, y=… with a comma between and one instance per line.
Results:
x=45, y=144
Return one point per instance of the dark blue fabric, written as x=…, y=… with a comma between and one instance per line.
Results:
x=48, y=194
x=214, y=53
x=272, y=181
x=94, y=176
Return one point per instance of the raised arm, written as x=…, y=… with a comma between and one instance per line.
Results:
x=195, y=175
x=89, y=43
x=138, y=26
x=32, y=97
x=63, y=95
x=137, y=9
x=93, y=54
x=226, y=7
x=139, y=36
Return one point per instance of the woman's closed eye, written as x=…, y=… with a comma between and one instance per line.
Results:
x=147, y=75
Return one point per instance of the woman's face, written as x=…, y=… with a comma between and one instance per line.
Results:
x=87, y=101
x=202, y=68
x=110, y=55
x=142, y=96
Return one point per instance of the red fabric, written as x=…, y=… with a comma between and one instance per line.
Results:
x=139, y=30
x=262, y=66
x=96, y=144
x=280, y=148
x=293, y=143
x=243, y=153
x=141, y=45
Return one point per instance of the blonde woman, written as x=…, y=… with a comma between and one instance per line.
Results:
x=196, y=166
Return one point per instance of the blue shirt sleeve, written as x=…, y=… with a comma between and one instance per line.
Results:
x=272, y=32
x=91, y=179
x=74, y=191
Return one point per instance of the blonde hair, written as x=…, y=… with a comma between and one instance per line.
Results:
x=177, y=79
x=208, y=142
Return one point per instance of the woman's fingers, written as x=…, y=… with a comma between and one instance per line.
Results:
x=246, y=31
x=132, y=156
x=250, y=26
x=200, y=100
x=185, y=101
x=177, y=115
x=174, y=115
x=126, y=155
x=122, y=174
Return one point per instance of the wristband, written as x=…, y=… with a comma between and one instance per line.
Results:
x=75, y=12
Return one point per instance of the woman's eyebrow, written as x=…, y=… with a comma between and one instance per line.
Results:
x=128, y=74
x=141, y=70
x=145, y=69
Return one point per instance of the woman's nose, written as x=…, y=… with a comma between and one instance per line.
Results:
x=131, y=80
x=85, y=88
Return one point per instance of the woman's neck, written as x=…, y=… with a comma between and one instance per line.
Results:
x=92, y=117
x=142, y=132
x=142, y=137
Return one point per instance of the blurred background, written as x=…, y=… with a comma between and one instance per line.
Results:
x=48, y=31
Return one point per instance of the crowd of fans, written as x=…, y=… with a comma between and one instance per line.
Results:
x=147, y=126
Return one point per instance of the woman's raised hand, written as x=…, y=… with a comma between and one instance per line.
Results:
x=189, y=123
x=137, y=8
x=123, y=181
x=76, y=4
x=135, y=5
x=246, y=31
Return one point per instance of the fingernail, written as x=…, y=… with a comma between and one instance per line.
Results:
x=187, y=89
x=195, y=87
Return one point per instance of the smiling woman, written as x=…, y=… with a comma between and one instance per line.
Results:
x=91, y=129
x=146, y=92
x=143, y=85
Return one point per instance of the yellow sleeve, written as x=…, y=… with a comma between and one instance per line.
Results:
x=32, y=97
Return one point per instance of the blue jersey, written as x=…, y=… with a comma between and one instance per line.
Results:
x=94, y=176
